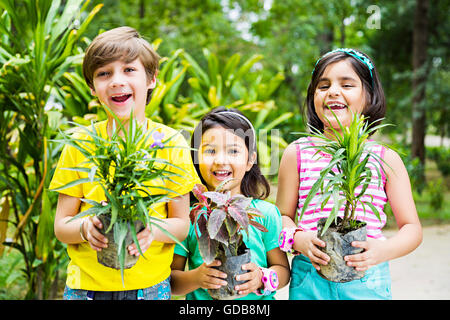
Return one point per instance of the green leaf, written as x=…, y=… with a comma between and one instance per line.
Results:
x=135, y=239
x=74, y=183
x=374, y=209
x=120, y=233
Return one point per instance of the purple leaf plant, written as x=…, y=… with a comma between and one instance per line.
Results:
x=219, y=220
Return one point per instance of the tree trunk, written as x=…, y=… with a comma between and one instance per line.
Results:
x=141, y=9
x=420, y=43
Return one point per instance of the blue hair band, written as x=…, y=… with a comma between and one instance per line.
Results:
x=355, y=54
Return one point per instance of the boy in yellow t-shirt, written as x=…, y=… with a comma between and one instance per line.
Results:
x=120, y=68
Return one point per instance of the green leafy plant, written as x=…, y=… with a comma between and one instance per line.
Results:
x=35, y=52
x=220, y=219
x=232, y=84
x=350, y=152
x=123, y=166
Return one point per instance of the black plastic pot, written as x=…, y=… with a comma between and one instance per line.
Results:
x=232, y=266
x=338, y=245
x=108, y=256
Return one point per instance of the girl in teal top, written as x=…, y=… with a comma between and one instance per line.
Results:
x=225, y=147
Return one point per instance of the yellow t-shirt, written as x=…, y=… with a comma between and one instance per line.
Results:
x=84, y=272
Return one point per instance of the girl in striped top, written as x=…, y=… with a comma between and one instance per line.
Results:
x=346, y=81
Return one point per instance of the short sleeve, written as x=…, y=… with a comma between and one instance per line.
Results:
x=180, y=157
x=273, y=224
x=70, y=158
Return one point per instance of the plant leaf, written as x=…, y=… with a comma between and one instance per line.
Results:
x=215, y=221
x=239, y=215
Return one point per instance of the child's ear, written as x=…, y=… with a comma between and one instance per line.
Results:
x=251, y=161
x=92, y=91
x=152, y=83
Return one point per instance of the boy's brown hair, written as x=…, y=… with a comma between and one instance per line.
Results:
x=123, y=43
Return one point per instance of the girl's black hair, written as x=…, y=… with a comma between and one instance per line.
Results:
x=254, y=184
x=375, y=107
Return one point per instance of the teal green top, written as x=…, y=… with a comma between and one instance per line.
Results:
x=257, y=241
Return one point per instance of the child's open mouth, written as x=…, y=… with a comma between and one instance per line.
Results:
x=222, y=174
x=121, y=98
x=336, y=106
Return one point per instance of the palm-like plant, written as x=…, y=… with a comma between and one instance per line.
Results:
x=350, y=152
x=227, y=84
x=34, y=53
x=124, y=167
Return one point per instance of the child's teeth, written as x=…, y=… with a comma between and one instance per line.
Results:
x=121, y=98
x=221, y=172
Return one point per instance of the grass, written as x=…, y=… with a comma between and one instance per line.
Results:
x=12, y=280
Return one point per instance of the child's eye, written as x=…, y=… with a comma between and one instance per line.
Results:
x=102, y=74
x=348, y=85
x=209, y=151
x=233, y=151
x=323, y=87
x=129, y=69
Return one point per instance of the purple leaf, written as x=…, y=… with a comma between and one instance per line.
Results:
x=258, y=226
x=240, y=201
x=198, y=192
x=240, y=215
x=222, y=235
x=215, y=221
x=219, y=198
x=207, y=247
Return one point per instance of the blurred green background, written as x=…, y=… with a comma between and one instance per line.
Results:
x=253, y=55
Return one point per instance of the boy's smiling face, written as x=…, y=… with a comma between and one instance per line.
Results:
x=123, y=87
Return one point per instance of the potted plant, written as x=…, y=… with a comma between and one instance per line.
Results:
x=219, y=221
x=123, y=166
x=350, y=152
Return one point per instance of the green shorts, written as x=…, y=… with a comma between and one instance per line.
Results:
x=307, y=284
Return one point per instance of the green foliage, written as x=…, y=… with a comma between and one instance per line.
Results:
x=34, y=54
x=230, y=84
x=441, y=156
x=124, y=167
x=350, y=152
x=220, y=219
x=436, y=191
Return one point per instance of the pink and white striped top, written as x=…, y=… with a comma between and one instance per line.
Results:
x=309, y=168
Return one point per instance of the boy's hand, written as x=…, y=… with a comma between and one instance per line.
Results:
x=209, y=277
x=91, y=227
x=145, y=238
x=306, y=243
x=253, y=278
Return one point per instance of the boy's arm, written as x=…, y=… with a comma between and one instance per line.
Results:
x=70, y=232
x=67, y=208
x=177, y=222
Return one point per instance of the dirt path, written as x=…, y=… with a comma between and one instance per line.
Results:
x=424, y=274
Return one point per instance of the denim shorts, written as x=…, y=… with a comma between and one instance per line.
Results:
x=160, y=291
x=307, y=284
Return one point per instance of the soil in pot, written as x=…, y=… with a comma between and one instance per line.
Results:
x=232, y=266
x=338, y=245
x=108, y=256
